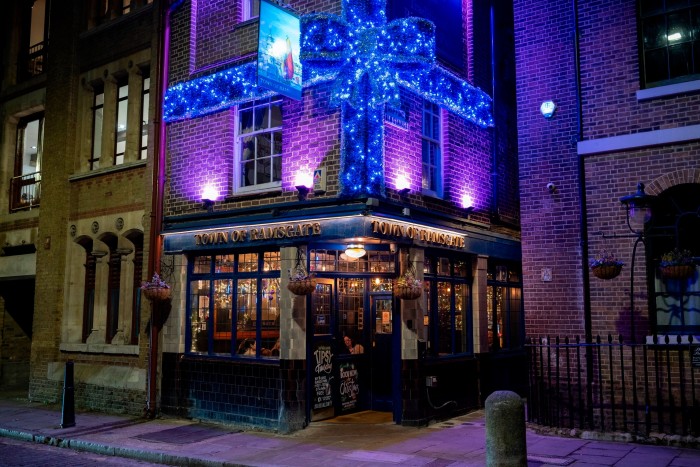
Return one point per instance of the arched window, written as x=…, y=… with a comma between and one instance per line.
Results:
x=674, y=225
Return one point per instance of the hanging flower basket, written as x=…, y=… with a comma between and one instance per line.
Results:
x=607, y=271
x=157, y=294
x=302, y=286
x=300, y=282
x=677, y=264
x=677, y=271
x=406, y=292
x=407, y=286
x=606, y=266
x=156, y=290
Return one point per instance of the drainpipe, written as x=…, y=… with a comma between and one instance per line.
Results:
x=583, y=219
x=155, y=242
x=495, y=215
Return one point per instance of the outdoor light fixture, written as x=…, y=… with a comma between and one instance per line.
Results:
x=404, y=191
x=303, y=192
x=209, y=195
x=636, y=204
x=639, y=201
x=355, y=251
x=547, y=109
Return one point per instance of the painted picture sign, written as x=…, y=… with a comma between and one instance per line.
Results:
x=279, y=67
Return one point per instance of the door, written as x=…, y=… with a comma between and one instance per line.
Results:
x=320, y=355
x=381, y=397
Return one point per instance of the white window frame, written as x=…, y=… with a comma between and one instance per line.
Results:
x=436, y=191
x=259, y=187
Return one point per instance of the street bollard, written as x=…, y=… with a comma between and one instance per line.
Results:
x=68, y=409
x=505, y=430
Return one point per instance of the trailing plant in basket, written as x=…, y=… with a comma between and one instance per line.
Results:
x=605, y=259
x=676, y=257
x=155, y=283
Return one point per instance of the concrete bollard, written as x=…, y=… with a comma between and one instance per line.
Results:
x=505, y=430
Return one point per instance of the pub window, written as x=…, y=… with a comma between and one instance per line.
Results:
x=337, y=261
x=448, y=297
x=234, y=305
x=504, y=306
x=432, y=155
x=669, y=42
x=259, y=145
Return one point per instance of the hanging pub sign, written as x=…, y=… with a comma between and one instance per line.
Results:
x=279, y=67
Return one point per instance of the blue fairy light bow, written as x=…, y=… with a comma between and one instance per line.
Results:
x=367, y=60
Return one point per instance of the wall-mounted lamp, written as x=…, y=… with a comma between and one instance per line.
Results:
x=209, y=195
x=404, y=191
x=208, y=204
x=551, y=187
x=356, y=250
x=547, y=109
x=302, y=191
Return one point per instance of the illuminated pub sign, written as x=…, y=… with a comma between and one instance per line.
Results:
x=306, y=231
x=279, y=67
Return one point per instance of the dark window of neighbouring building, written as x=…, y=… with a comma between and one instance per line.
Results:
x=675, y=225
x=504, y=306
x=449, y=313
x=25, y=189
x=670, y=41
x=233, y=307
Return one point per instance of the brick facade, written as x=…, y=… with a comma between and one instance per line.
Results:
x=552, y=150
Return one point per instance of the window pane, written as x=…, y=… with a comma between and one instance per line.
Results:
x=654, y=31
x=276, y=116
x=224, y=263
x=245, y=121
x=271, y=261
x=248, y=262
x=97, y=119
x=444, y=305
x=514, y=307
x=680, y=60
x=270, y=318
x=248, y=174
x=144, y=117
x=656, y=65
x=202, y=265
x=277, y=169
x=462, y=324
x=199, y=315
x=121, y=125
x=222, y=316
x=246, y=317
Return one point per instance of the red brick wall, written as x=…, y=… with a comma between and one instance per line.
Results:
x=545, y=58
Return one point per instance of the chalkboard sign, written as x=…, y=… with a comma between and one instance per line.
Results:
x=322, y=376
x=695, y=355
x=349, y=386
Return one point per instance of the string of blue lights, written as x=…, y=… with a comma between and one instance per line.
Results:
x=367, y=60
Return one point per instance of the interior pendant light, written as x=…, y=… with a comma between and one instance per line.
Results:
x=356, y=250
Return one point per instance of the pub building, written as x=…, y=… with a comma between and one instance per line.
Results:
x=332, y=253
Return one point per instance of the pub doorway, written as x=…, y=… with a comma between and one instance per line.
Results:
x=351, y=347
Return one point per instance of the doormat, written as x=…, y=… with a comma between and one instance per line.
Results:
x=369, y=417
x=185, y=434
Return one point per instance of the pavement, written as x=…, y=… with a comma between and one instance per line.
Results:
x=348, y=441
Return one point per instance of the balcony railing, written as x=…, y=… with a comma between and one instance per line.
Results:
x=25, y=191
x=36, y=59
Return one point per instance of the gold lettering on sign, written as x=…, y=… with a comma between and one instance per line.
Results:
x=260, y=233
x=417, y=233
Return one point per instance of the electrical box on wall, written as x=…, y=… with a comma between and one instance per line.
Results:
x=431, y=381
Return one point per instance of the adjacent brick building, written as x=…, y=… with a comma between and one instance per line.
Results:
x=77, y=126
x=625, y=79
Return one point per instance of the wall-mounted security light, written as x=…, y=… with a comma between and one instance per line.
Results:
x=547, y=109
